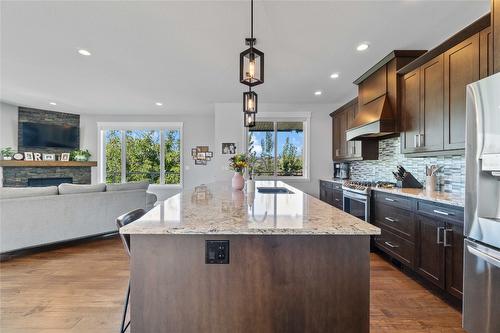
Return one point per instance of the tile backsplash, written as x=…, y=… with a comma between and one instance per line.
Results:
x=450, y=179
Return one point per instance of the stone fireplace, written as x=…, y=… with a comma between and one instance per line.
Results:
x=20, y=176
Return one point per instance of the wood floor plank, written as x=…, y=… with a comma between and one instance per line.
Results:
x=81, y=289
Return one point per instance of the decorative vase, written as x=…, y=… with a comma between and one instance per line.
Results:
x=238, y=182
x=250, y=186
x=7, y=158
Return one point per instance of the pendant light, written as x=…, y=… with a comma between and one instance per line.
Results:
x=250, y=101
x=249, y=119
x=251, y=60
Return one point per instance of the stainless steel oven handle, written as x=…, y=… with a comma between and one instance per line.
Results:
x=486, y=257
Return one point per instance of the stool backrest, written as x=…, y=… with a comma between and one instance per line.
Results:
x=125, y=219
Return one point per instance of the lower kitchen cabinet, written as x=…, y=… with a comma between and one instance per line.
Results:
x=331, y=193
x=424, y=236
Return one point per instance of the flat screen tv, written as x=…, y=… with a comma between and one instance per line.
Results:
x=50, y=136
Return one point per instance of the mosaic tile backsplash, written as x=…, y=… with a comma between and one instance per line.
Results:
x=450, y=179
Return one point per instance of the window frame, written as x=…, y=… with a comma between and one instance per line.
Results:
x=276, y=117
x=126, y=126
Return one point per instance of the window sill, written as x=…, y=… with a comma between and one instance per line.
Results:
x=164, y=186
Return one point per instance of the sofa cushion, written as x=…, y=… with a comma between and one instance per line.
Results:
x=21, y=192
x=127, y=186
x=79, y=188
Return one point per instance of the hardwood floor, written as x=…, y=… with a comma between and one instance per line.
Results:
x=81, y=289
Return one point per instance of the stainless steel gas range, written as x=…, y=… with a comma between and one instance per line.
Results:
x=357, y=197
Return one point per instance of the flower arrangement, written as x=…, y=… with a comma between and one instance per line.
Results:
x=80, y=155
x=238, y=163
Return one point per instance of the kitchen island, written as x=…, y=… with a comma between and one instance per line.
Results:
x=283, y=262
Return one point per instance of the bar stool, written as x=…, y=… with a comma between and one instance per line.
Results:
x=121, y=221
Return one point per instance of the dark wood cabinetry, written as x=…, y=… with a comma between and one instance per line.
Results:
x=331, y=193
x=461, y=65
x=344, y=150
x=434, y=90
x=425, y=236
x=495, y=24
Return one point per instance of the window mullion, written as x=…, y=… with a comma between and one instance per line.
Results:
x=162, y=157
x=275, y=150
x=124, y=157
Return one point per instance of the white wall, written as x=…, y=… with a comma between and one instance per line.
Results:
x=198, y=130
x=228, y=128
x=8, y=126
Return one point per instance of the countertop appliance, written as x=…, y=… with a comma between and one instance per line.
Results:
x=481, y=300
x=356, y=197
x=341, y=170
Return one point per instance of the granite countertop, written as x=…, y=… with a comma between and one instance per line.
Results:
x=435, y=196
x=216, y=209
x=333, y=180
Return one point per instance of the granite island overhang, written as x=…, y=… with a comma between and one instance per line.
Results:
x=294, y=264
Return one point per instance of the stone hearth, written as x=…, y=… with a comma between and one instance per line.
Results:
x=18, y=177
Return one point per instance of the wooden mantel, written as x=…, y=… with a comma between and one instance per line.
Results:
x=30, y=164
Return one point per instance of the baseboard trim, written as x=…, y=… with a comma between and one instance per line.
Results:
x=52, y=246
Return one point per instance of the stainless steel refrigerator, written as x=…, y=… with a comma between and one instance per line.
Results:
x=481, y=300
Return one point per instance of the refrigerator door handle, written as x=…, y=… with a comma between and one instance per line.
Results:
x=485, y=256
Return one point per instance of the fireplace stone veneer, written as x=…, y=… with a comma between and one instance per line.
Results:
x=18, y=177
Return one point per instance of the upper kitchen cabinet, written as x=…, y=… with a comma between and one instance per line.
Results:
x=461, y=68
x=433, y=91
x=344, y=150
x=495, y=25
x=378, y=93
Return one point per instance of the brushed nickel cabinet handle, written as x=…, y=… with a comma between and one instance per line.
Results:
x=420, y=136
x=391, y=245
x=390, y=219
x=442, y=213
x=415, y=141
x=337, y=152
x=389, y=199
x=438, y=235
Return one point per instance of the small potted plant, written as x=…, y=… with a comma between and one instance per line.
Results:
x=238, y=163
x=80, y=155
x=7, y=153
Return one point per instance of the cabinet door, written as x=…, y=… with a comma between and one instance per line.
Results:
x=410, y=110
x=336, y=137
x=485, y=53
x=454, y=248
x=431, y=101
x=430, y=251
x=322, y=193
x=461, y=65
x=351, y=147
x=342, y=129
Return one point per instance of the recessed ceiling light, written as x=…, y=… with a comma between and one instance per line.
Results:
x=334, y=76
x=84, y=52
x=363, y=46
x=158, y=103
x=318, y=93
x=53, y=103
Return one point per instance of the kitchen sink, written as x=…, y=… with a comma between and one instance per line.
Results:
x=274, y=190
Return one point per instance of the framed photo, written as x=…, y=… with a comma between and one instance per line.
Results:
x=65, y=157
x=194, y=151
x=28, y=156
x=49, y=157
x=200, y=162
x=203, y=149
x=209, y=154
x=229, y=148
x=200, y=156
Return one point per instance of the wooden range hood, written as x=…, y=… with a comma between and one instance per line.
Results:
x=378, y=114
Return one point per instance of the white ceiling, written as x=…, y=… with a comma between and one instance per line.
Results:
x=185, y=53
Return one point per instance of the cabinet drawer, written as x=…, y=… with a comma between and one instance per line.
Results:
x=393, y=200
x=394, y=219
x=338, y=199
x=326, y=184
x=337, y=186
x=397, y=247
x=443, y=212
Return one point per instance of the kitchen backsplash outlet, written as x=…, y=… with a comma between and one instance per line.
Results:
x=450, y=179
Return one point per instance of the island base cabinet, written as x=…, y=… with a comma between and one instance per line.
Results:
x=273, y=283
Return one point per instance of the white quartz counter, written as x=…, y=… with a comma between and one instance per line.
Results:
x=216, y=209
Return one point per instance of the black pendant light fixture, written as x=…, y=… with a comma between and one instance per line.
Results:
x=251, y=74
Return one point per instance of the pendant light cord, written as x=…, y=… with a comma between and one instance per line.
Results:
x=251, y=22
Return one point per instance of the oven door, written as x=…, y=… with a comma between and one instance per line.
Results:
x=357, y=205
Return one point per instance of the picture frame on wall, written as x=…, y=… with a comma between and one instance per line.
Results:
x=209, y=154
x=194, y=151
x=49, y=157
x=200, y=156
x=28, y=156
x=229, y=148
x=200, y=162
x=64, y=157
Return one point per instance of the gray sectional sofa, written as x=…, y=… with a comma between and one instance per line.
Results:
x=35, y=216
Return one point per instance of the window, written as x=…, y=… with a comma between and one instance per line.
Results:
x=141, y=152
x=280, y=147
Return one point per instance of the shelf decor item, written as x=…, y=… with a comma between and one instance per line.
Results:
x=28, y=156
x=7, y=153
x=49, y=157
x=201, y=155
x=80, y=155
x=238, y=163
x=64, y=157
x=18, y=156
